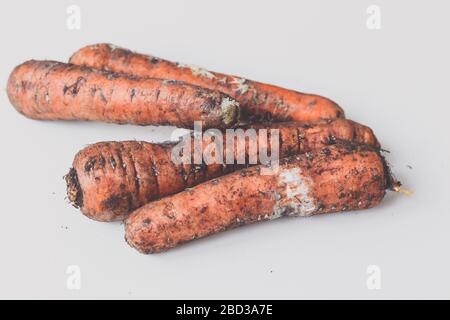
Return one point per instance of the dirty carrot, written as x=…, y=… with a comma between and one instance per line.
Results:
x=335, y=178
x=258, y=100
x=110, y=179
x=51, y=90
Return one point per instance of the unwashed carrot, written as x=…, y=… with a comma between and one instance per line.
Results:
x=51, y=90
x=110, y=179
x=332, y=179
x=258, y=100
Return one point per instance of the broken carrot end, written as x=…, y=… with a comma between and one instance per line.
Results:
x=74, y=193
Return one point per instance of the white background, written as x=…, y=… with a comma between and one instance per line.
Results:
x=395, y=80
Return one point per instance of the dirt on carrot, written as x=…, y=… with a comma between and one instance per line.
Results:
x=50, y=90
x=259, y=101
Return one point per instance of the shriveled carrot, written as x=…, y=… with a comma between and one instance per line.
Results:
x=110, y=179
x=51, y=90
x=258, y=100
x=335, y=178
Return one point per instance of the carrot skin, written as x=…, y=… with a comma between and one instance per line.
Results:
x=50, y=90
x=336, y=178
x=111, y=179
x=258, y=101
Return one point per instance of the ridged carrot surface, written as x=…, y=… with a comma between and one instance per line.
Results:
x=50, y=90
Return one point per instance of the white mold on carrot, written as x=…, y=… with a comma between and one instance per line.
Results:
x=241, y=85
x=223, y=80
x=295, y=199
x=230, y=110
x=197, y=71
x=113, y=47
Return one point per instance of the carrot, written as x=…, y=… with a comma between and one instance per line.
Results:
x=51, y=90
x=110, y=179
x=258, y=100
x=333, y=179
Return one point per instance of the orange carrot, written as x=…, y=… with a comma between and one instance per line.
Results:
x=51, y=90
x=258, y=100
x=335, y=178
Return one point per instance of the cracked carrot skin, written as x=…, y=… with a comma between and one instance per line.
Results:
x=50, y=90
x=258, y=100
x=332, y=179
x=111, y=179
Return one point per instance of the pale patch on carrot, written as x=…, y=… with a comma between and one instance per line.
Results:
x=230, y=110
x=197, y=71
x=241, y=84
x=113, y=47
x=295, y=199
x=223, y=80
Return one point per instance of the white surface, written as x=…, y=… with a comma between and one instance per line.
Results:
x=395, y=80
